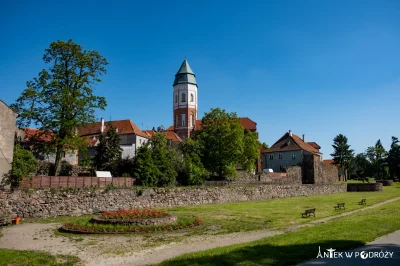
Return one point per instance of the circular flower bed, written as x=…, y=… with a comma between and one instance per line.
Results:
x=132, y=221
x=134, y=214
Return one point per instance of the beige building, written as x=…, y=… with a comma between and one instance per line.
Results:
x=7, y=133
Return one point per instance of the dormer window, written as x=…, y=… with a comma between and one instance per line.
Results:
x=183, y=97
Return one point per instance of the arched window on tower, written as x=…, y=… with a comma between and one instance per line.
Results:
x=183, y=97
x=176, y=98
x=191, y=97
x=176, y=121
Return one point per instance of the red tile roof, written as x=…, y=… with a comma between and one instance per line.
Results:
x=172, y=136
x=328, y=161
x=296, y=144
x=30, y=133
x=314, y=145
x=123, y=126
x=149, y=133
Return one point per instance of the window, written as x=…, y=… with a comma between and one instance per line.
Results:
x=271, y=156
x=63, y=154
x=176, y=121
x=183, y=120
x=280, y=156
x=191, y=97
x=191, y=121
x=293, y=156
x=176, y=98
x=183, y=97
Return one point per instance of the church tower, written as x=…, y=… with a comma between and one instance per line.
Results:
x=185, y=101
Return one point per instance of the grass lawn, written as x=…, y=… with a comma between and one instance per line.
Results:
x=34, y=258
x=263, y=214
x=296, y=247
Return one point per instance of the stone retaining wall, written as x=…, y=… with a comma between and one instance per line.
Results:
x=364, y=187
x=45, y=203
x=385, y=182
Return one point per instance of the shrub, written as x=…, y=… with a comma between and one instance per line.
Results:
x=23, y=166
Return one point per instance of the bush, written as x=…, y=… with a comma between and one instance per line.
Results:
x=23, y=166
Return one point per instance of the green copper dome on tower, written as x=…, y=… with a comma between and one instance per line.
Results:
x=185, y=74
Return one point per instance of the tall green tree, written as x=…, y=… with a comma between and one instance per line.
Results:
x=193, y=172
x=144, y=169
x=251, y=150
x=23, y=166
x=342, y=154
x=222, y=140
x=164, y=159
x=109, y=151
x=394, y=158
x=61, y=99
x=377, y=156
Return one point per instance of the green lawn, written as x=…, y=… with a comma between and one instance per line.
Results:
x=34, y=258
x=295, y=247
x=264, y=214
x=275, y=213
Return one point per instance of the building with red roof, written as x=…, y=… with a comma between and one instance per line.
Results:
x=288, y=151
x=130, y=134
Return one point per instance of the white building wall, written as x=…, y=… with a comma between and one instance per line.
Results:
x=187, y=89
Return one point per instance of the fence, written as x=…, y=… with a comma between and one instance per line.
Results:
x=76, y=182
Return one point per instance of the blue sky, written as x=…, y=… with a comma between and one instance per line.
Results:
x=319, y=68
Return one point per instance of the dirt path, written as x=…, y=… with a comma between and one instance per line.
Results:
x=99, y=250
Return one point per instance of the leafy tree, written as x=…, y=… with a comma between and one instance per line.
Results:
x=361, y=165
x=193, y=172
x=23, y=165
x=164, y=160
x=394, y=158
x=265, y=145
x=342, y=153
x=144, y=169
x=222, y=139
x=377, y=156
x=109, y=151
x=251, y=151
x=61, y=99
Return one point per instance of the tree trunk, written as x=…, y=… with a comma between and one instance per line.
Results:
x=57, y=162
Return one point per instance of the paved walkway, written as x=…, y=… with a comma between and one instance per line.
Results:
x=387, y=243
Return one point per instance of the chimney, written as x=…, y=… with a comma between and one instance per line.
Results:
x=303, y=137
x=290, y=132
x=102, y=125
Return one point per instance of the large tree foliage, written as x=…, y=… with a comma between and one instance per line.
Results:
x=61, y=98
x=376, y=156
x=193, y=172
x=251, y=150
x=342, y=154
x=109, y=151
x=394, y=158
x=23, y=165
x=222, y=139
x=144, y=169
x=164, y=160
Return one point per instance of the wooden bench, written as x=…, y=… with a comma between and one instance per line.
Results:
x=363, y=202
x=339, y=206
x=308, y=212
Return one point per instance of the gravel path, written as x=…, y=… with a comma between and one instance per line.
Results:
x=132, y=250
